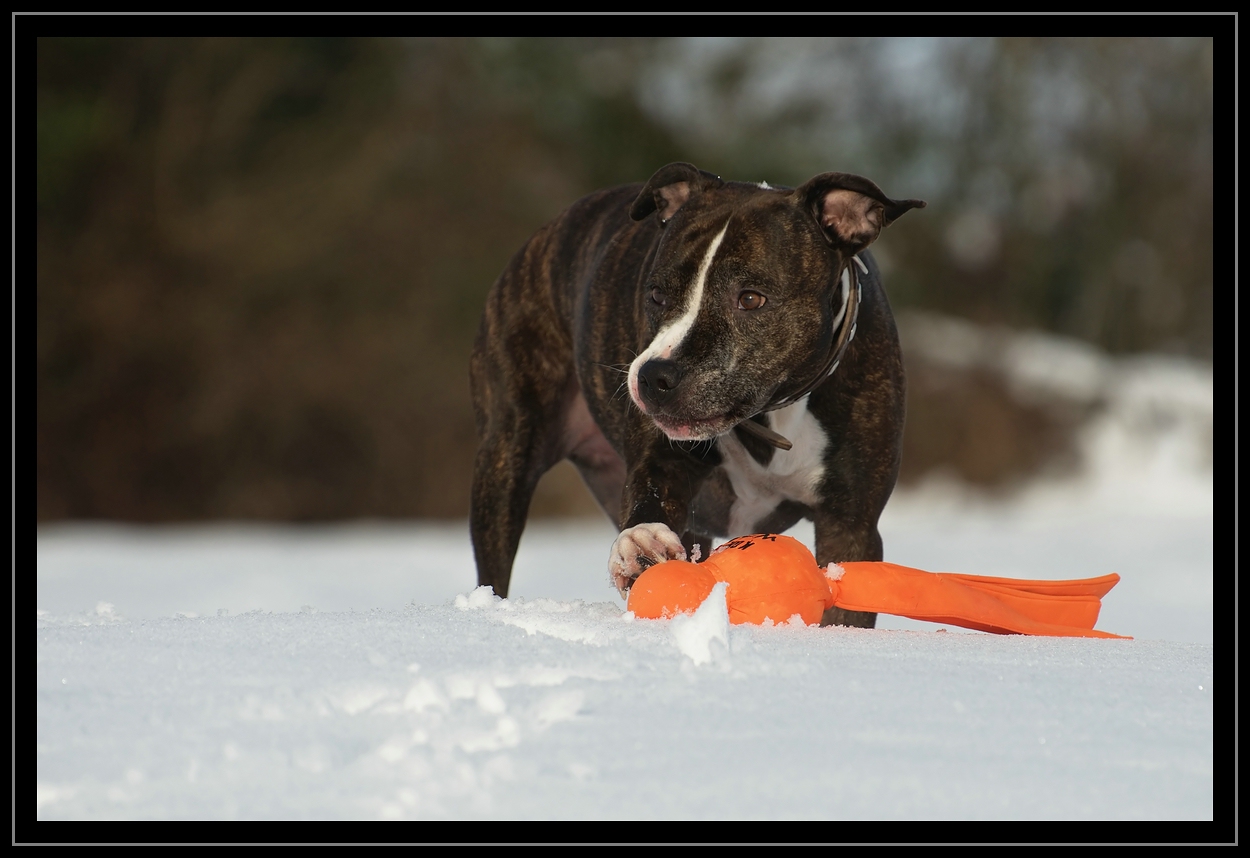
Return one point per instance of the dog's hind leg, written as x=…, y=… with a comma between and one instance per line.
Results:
x=520, y=441
x=509, y=464
x=519, y=396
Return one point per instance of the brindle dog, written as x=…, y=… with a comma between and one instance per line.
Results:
x=716, y=358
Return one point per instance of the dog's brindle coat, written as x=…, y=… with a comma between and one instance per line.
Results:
x=636, y=331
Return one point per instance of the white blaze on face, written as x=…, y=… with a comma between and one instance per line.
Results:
x=671, y=335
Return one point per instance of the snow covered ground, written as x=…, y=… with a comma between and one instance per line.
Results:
x=245, y=672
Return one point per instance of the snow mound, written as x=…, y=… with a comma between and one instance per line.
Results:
x=696, y=634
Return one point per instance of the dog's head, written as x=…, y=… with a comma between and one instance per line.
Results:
x=741, y=299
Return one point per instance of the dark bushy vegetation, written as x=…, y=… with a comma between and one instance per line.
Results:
x=261, y=262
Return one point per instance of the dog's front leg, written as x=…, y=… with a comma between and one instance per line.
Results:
x=655, y=507
x=842, y=537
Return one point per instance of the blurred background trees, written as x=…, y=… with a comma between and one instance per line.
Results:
x=261, y=262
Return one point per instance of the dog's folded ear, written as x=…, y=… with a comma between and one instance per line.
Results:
x=850, y=209
x=670, y=188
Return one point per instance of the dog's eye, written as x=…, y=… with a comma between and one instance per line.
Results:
x=657, y=297
x=751, y=300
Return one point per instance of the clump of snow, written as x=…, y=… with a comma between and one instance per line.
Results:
x=482, y=597
x=696, y=634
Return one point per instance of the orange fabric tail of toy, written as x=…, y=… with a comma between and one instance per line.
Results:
x=998, y=605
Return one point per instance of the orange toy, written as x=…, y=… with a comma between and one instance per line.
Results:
x=771, y=576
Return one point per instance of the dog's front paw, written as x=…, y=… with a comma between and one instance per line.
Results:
x=638, y=548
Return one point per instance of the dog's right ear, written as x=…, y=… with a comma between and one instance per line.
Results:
x=670, y=188
x=851, y=210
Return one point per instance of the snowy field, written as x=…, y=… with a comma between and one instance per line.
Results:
x=352, y=672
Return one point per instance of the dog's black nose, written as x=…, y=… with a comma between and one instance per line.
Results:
x=657, y=379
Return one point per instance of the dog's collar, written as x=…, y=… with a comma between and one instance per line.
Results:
x=844, y=324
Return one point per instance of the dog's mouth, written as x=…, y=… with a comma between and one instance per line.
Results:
x=682, y=428
x=706, y=430
x=700, y=429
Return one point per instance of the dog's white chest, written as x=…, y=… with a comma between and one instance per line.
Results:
x=792, y=475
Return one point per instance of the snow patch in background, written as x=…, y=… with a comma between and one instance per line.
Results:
x=1146, y=446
